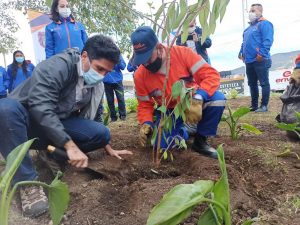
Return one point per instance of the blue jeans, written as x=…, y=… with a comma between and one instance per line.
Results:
x=16, y=127
x=118, y=89
x=259, y=71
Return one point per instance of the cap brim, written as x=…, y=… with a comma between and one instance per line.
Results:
x=142, y=58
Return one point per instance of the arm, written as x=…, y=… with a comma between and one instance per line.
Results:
x=49, y=78
x=121, y=64
x=130, y=67
x=207, y=43
x=145, y=104
x=206, y=77
x=49, y=44
x=9, y=80
x=267, y=33
x=5, y=80
x=84, y=36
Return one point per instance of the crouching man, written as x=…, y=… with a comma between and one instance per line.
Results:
x=57, y=104
x=207, y=104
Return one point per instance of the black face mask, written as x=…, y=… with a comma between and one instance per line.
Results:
x=155, y=66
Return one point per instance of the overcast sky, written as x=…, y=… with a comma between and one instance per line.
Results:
x=227, y=39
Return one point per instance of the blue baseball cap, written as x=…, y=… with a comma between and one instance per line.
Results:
x=144, y=42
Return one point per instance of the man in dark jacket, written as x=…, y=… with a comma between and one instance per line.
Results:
x=194, y=41
x=57, y=104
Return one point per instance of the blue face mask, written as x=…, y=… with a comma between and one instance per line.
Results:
x=20, y=59
x=92, y=77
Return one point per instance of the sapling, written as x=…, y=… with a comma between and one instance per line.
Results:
x=58, y=193
x=235, y=126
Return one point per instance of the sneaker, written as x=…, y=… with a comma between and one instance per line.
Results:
x=54, y=165
x=123, y=118
x=34, y=201
x=252, y=108
x=263, y=108
x=201, y=146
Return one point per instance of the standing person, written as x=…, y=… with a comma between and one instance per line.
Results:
x=3, y=83
x=57, y=104
x=255, y=53
x=113, y=84
x=18, y=71
x=194, y=41
x=207, y=104
x=64, y=32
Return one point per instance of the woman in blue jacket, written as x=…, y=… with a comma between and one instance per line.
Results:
x=64, y=32
x=18, y=71
x=3, y=83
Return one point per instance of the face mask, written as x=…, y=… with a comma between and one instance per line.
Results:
x=252, y=16
x=20, y=59
x=92, y=77
x=191, y=29
x=64, y=12
x=155, y=66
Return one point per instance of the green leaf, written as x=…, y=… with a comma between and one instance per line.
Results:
x=183, y=144
x=221, y=188
x=171, y=157
x=287, y=127
x=183, y=94
x=162, y=108
x=158, y=14
x=223, y=6
x=165, y=155
x=224, y=117
x=181, y=16
x=179, y=202
x=176, y=88
x=298, y=116
x=251, y=128
x=177, y=111
x=251, y=221
x=48, y=3
x=203, y=15
x=171, y=16
x=240, y=112
x=13, y=162
x=58, y=200
x=185, y=32
x=208, y=218
x=154, y=135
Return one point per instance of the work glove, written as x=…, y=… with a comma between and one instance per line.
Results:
x=194, y=113
x=145, y=132
x=295, y=77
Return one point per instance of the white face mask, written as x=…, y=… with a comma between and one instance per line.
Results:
x=64, y=12
x=252, y=16
x=191, y=29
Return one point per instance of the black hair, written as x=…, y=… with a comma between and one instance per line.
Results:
x=54, y=14
x=256, y=4
x=100, y=46
x=14, y=65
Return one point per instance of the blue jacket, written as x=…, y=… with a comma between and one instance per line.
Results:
x=20, y=76
x=66, y=33
x=201, y=49
x=3, y=81
x=257, y=40
x=116, y=75
x=131, y=68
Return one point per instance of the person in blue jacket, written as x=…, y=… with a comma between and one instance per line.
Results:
x=64, y=32
x=194, y=41
x=18, y=71
x=113, y=85
x=255, y=52
x=3, y=82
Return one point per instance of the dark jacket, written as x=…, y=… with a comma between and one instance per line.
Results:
x=50, y=93
x=201, y=49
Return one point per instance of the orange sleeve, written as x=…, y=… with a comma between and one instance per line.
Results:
x=204, y=75
x=145, y=104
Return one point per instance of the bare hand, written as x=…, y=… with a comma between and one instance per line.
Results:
x=76, y=156
x=195, y=37
x=116, y=153
x=259, y=58
x=241, y=58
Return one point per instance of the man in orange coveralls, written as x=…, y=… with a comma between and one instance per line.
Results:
x=207, y=104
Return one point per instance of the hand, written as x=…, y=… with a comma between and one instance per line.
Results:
x=241, y=57
x=259, y=58
x=116, y=153
x=145, y=131
x=76, y=156
x=195, y=37
x=194, y=113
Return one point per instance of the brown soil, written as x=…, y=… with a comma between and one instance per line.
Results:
x=261, y=183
